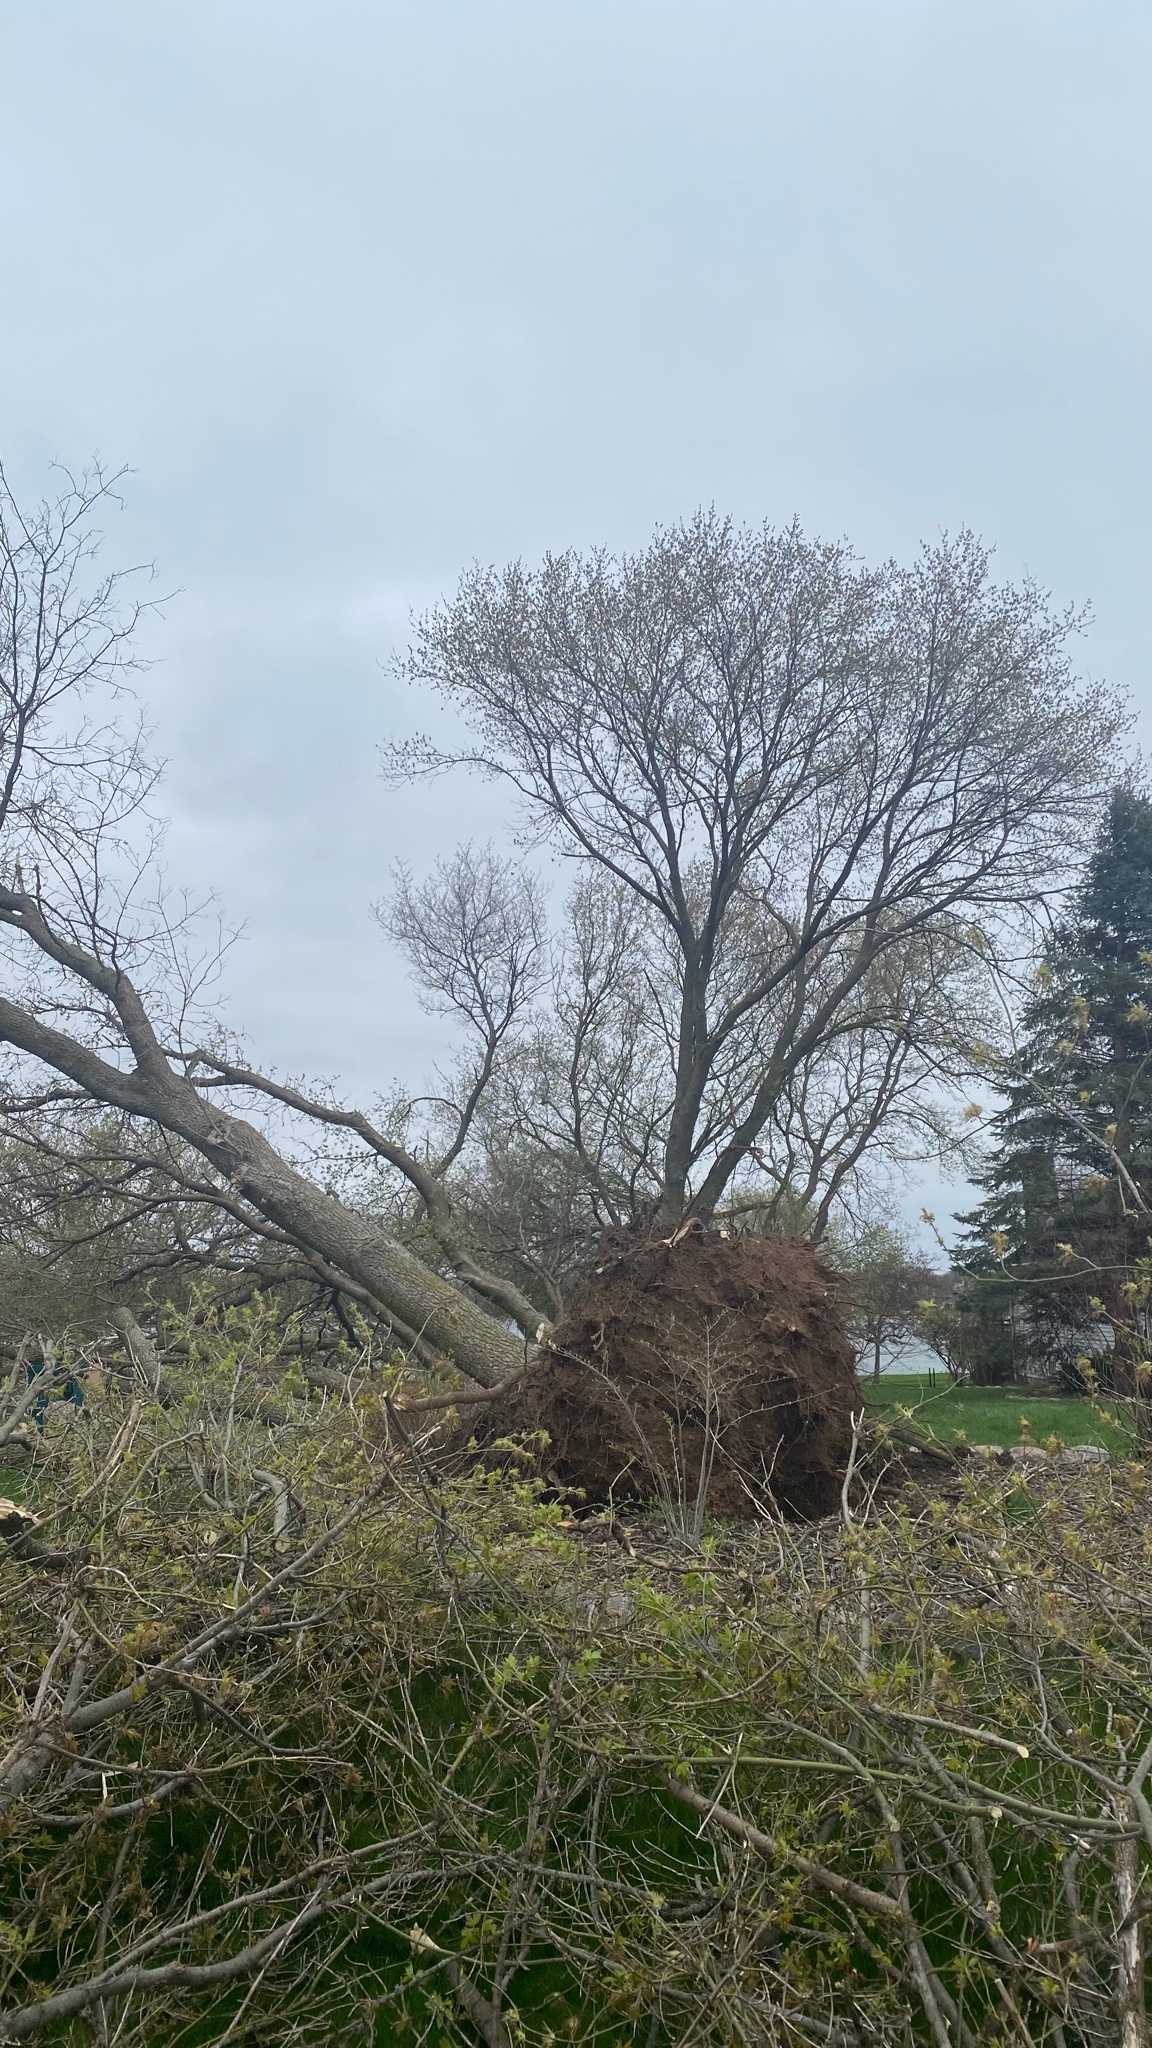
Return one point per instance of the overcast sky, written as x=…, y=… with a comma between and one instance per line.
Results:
x=365, y=290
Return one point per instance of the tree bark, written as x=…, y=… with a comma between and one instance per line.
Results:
x=141, y=1349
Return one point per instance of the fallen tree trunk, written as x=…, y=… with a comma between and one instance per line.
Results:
x=441, y=1314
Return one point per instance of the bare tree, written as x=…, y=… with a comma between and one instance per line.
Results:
x=795, y=787
x=105, y=981
x=792, y=771
x=554, y=1124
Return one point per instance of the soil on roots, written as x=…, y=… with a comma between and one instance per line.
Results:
x=695, y=1370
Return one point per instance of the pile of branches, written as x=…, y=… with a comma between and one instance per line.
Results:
x=307, y=1740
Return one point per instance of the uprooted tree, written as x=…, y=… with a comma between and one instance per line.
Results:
x=803, y=790
x=103, y=1215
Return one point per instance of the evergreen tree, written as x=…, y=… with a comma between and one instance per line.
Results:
x=1058, y=1252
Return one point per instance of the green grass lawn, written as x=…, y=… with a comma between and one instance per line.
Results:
x=993, y=1415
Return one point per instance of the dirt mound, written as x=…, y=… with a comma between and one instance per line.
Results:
x=705, y=1367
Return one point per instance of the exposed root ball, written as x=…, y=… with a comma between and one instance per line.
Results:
x=713, y=1367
